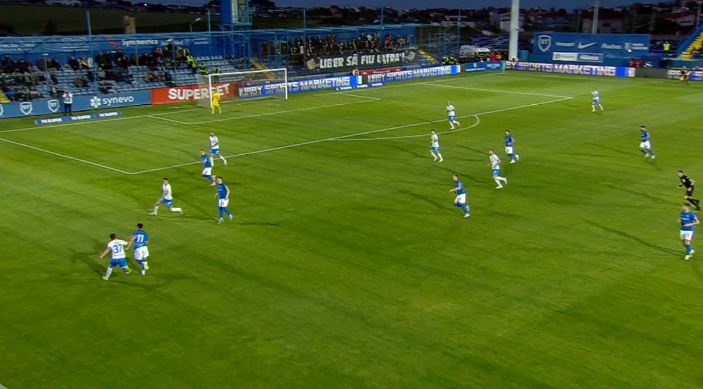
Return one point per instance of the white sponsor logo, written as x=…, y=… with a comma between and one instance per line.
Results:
x=2, y=110
x=565, y=44
x=585, y=45
x=544, y=42
x=26, y=108
x=95, y=102
x=177, y=94
x=571, y=57
x=611, y=47
x=53, y=105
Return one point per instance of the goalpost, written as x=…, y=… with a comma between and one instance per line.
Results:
x=270, y=83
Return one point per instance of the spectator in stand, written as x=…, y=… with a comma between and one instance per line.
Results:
x=149, y=77
x=67, y=102
x=190, y=61
x=73, y=63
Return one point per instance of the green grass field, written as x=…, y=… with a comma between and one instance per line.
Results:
x=347, y=265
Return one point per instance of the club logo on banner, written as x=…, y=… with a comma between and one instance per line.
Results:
x=26, y=108
x=53, y=105
x=544, y=42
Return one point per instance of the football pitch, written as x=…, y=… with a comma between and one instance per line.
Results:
x=347, y=264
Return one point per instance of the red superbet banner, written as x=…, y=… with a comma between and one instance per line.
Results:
x=180, y=94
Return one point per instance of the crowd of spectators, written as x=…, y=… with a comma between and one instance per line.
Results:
x=20, y=80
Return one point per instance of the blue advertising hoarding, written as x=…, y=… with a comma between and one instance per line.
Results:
x=609, y=45
x=484, y=66
x=584, y=70
x=80, y=103
x=435, y=71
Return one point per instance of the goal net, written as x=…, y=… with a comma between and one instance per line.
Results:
x=271, y=83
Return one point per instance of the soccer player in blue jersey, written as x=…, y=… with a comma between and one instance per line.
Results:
x=451, y=115
x=688, y=221
x=207, y=167
x=434, y=147
x=165, y=199
x=140, y=240
x=222, y=196
x=460, y=200
x=596, y=100
x=495, y=168
x=645, y=144
x=119, y=258
x=215, y=147
x=510, y=147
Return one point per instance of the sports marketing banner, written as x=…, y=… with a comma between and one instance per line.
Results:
x=258, y=90
x=586, y=70
x=80, y=103
x=436, y=71
x=693, y=75
x=361, y=60
x=608, y=45
x=484, y=66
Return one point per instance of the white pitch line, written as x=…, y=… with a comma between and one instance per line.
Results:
x=360, y=96
x=65, y=156
x=167, y=119
x=475, y=124
x=438, y=85
x=277, y=112
x=345, y=137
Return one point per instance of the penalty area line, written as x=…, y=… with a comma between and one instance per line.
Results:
x=65, y=156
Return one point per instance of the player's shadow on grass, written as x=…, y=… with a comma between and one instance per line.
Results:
x=625, y=235
x=90, y=259
x=151, y=282
x=254, y=223
x=422, y=198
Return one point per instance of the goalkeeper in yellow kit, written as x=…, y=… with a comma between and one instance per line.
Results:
x=215, y=102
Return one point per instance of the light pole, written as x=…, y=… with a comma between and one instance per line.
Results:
x=514, y=29
x=596, y=8
x=193, y=22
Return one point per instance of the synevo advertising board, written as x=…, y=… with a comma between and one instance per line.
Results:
x=80, y=103
x=609, y=45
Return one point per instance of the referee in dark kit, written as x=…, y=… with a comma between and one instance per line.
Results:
x=690, y=185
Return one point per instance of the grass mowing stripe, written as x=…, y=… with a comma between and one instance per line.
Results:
x=65, y=156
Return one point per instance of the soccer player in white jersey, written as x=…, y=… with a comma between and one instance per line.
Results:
x=451, y=115
x=165, y=199
x=495, y=167
x=434, y=147
x=119, y=258
x=215, y=147
x=596, y=100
